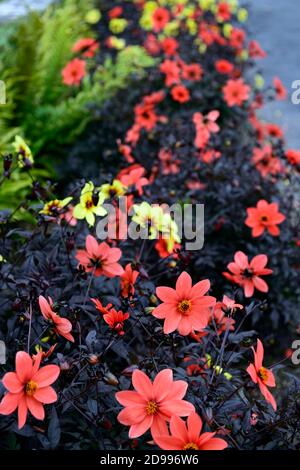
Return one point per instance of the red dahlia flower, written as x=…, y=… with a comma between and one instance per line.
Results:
x=100, y=258
x=151, y=44
x=255, y=50
x=180, y=93
x=247, y=275
x=29, y=388
x=115, y=320
x=87, y=46
x=133, y=135
x=266, y=162
x=275, y=131
x=154, y=98
x=145, y=116
x=163, y=249
x=172, y=72
x=224, y=67
x=169, y=46
x=187, y=436
x=237, y=38
x=222, y=322
x=205, y=125
x=170, y=166
x=152, y=404
x=280, y=90
x=263, y=217
x=262, y=376
x=160, y=18
x=223, y=11
x=192, y=72
x=229, y=305
x=133, y=177
x=210, y=34
x=126, y=151
x=185, y=308
x=61, y=326
x=219, y=314
x=236, y=92
x=74, y=72
x=101, y=308
x=128, y=279
x=209, y=156
x=293, y=156
x=115, y=12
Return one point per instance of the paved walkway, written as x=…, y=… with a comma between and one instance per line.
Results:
x=276, y=25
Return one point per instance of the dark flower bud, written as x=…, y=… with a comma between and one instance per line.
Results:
x=93, y=359
x=7, y=162
x=95, y=198
x=27, y=163
x=129, y=371
x=110, y=379
x=106, y=424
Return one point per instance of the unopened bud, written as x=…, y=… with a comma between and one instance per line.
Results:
x=7, y=161
x=93, y=359
x=95, y=199
x=111, y=379
x=218, y=369
x=153, y=299
x=172, y=264
x=27, y=163
x=106, y=424
x=149, y=310
x=227, y=376
x=129, y=371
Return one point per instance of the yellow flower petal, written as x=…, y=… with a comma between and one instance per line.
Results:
x=79, y=212
x=90, y=218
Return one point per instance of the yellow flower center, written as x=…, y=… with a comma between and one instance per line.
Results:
x=263, y=374
x=184, y=306
x=191, y=446
x=152, y=408
x=31, y=388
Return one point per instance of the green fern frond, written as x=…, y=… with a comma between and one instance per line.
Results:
x=39, y=106
x=32, y=59
x=38, y=102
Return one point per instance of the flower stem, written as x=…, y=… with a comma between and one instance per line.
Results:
x=29, y=328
